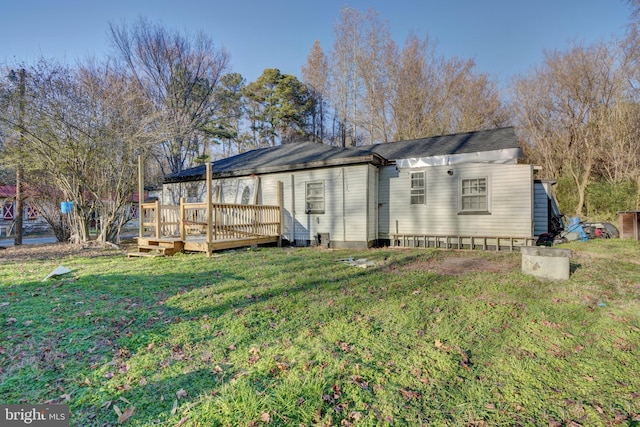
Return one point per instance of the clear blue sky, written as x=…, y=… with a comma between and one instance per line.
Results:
x=504, y=37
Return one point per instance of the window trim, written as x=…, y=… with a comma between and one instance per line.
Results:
x=487, y=193
x=418, y=191
x=309, y=198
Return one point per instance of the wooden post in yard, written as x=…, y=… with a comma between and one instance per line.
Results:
x=281, y=211
x=140, y=198
x=158, y=218
x=182, y=219
x=209, y=209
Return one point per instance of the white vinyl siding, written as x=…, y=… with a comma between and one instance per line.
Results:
x=418, y=192
x=509, y=198
x=350, y=201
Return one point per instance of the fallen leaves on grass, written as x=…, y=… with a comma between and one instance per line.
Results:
x=255, y=355
x=344, y=346
x=465, y=361
x=360, y=382
x=409, y=394
x=123, y=416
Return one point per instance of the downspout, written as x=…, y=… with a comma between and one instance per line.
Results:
x=376, y=206
x=533, y=203
x=293, y=209
x=366, y=221
x=344, y=225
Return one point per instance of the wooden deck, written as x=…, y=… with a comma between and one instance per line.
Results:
x=205, y=227
x=198, y=227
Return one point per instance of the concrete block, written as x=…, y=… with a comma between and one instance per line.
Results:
x=546, y=263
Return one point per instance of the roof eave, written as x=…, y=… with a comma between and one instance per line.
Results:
x=373, y=159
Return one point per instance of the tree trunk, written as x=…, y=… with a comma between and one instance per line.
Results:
x=582, y=181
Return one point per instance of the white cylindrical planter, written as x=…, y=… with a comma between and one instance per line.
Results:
x=546, y=263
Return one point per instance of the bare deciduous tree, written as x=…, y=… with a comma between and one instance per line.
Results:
x=315, y=74
x=413, y=87
x=373, y=61
x=561, y=108
x=83, y=130
x=179, y=74
x=344, y=74
x=432, y=95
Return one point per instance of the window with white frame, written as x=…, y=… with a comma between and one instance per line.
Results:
x=475, y=195
x=418, y=188
x=315, y=197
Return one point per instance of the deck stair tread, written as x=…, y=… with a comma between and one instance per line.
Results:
x=151, y=247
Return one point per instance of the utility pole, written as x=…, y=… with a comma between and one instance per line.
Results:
x=19, y=207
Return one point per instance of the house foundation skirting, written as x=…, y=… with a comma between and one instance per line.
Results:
x=460, y=242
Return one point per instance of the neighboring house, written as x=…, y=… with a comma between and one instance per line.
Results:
x=466, y=184
x=7, y=205
x=32, y=219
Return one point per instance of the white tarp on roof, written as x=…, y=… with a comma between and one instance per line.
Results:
x=504, y=156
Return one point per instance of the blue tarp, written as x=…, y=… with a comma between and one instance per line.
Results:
x=576, y=227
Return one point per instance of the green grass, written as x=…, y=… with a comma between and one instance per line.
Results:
x=293, y=337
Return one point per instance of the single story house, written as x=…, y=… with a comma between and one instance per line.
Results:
x=467, y=184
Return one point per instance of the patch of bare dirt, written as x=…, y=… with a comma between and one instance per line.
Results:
x=60, y=250
x=458, y=265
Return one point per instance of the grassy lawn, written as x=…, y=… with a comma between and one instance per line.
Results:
x=294, y=337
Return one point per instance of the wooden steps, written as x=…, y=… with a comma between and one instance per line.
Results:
x=155, y=247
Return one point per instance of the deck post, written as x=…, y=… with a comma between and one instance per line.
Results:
x=182, y=219
x=140, y=198
x=158, y=218
x=209, y=209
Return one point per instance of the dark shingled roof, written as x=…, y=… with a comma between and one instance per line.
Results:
x=307, y=155
x=459, y=143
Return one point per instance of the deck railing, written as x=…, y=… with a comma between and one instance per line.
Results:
x=228, y=221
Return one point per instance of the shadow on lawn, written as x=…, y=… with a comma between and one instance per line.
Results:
x=99, y=327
